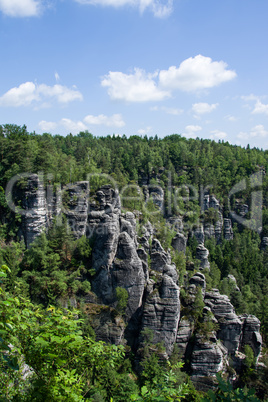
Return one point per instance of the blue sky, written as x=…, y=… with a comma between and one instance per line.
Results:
x=135, y=67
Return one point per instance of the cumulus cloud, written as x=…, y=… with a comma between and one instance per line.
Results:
x=257, y=131
x=260, y=108
x=47, y=126
x=29, y=93
x=195, y=74
x=160, y=8
x=136, y=87
x=75, y=127
x=23, y=95
x=144, y=131
x=202, y=108
x=69, y=125
x=218, y=135
x=191, y=131
x=20, y=8
x=115, y=120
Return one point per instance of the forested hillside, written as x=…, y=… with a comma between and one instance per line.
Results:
x=168, y=191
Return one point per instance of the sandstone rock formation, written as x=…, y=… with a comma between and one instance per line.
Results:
x=121, y=259
x=208, y=358
x=227, y=229
x=75, y=207
x=202, y=254
x=35, y=206
x=179, y=243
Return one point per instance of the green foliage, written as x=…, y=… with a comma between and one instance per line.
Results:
x=122, y=299
x=163, y=388
x=198, y=304
x=225, y=392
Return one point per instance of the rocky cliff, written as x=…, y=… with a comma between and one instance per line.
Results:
x=141, y=266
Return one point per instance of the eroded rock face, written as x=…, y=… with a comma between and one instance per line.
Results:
x=127, y=272
x=76, y=207
x=251, y=333
x=209, y=231
x=156, y=193
x=227, y=229
x=230, y=324
x=184, y=334
x=199, y=234
x=210, y=201
x=209, y=357
x=264, y=243
x=106, y=231
x=107, y=323
x=159, y=258
x=179, y=243
x=34, y=202
x=162, y=312
x=202, y=254
x=104, y=228
x=199, y=279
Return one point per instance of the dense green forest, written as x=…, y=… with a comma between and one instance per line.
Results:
x=58, y=344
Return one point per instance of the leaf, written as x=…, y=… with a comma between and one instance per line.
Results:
x=9, y=326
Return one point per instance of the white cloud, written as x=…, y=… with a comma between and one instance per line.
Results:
x=250, y=97
x=73, y=126
x=196, y=73
x=218, y=135
x=202, y=107
x=28, y=93
x=47, y=126
x=191, y=131
x=57, y=77
x=23, y=95
x=258, y=131
x=144, y=131
x=193, y=74
x=243, y=136
x=115, y=120
x=160, y=8
x=20, y=8
x=169, y=110
x=260, y=108
x=230, y=118
x=60, y=93
x=69, y=125
x=136, y=87
x=172, y=110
